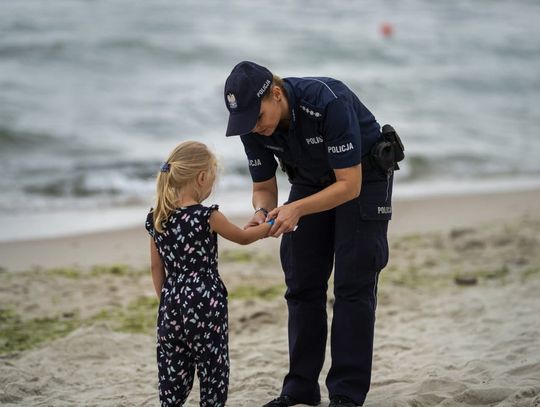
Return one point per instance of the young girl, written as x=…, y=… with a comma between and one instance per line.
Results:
x=192, y=328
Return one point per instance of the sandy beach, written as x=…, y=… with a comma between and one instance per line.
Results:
x=457, y=318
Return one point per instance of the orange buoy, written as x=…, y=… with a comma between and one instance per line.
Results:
x=387, y=30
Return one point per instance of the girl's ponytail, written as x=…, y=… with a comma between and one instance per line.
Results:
x=184, y=164
x=165, y=200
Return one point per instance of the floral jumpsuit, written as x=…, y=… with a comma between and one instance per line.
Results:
x=192, y=328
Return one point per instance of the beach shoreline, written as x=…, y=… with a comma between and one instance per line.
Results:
x=129, y=246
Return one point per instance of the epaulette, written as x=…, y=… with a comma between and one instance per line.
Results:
x=310, y=111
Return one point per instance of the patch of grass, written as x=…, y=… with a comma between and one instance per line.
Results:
x=484, y=274
x=116, y=270
x=138, y=317
x=233, y=256
x=67, y=272
x=412, y=238
x=530, y=272
x=119, y=270
x=250, y=292
x=420, y=275
x=413, y=277
x=499, y=272
x=460, y=232
x=243, y=256
x=17, y=334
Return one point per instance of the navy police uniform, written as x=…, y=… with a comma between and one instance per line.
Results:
x=329, y=129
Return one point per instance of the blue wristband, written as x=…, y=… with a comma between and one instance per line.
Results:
x=271, y=222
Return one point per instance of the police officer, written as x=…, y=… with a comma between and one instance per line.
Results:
x=336, y=216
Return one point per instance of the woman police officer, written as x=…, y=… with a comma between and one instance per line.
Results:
x=337, y=213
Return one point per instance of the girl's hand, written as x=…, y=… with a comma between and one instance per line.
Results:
x=285, y=217
x=256, y=219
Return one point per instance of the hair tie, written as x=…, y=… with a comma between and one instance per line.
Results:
x=166, y=167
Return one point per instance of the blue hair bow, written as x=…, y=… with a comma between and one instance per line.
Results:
x=166, y=167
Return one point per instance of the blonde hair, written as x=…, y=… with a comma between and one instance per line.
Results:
x=184, y=164
x=276, y=81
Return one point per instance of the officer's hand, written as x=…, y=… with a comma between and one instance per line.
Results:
x=256, y=219
x=286, y=218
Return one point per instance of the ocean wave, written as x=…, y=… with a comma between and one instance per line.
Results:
x=90, y=180
x=11, y=138
x=162, y=50
x=421, y=167
x=77, y=51
x=35, y=50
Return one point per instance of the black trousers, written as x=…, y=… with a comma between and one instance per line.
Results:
x=355, y=235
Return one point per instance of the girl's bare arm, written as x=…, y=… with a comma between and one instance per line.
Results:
x=221, y=225
x=158, y=270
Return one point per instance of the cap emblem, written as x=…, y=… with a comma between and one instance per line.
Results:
x=232, y=101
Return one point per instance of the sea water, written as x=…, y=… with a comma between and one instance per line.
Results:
x=94, y=94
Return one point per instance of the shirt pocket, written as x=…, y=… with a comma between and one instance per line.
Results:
x=308, y=145
x=317, y=154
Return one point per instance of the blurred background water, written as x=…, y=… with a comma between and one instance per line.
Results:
x=95, y=93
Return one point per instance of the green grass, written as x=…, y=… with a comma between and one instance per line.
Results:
x=17, y=334
x=139, y=316
x=530, y=272
x=246, y=292
x=414, y=276
x=244, y=256
x=119, y=270
x=499, y=272
x=74, y=273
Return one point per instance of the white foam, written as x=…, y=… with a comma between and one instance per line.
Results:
x=51, y=223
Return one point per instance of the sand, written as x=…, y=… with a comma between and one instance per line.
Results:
x=437, y=343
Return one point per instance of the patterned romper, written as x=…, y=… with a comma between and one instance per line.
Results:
x=192, y=329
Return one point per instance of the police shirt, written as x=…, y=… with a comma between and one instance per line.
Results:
x=329, y=129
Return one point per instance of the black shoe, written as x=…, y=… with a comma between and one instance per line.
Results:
x=342, y=401
x=284, y=401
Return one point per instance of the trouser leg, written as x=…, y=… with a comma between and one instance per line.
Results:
x=307, y=256
x=210, y=345
x=361, y=251
x=176, y=367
